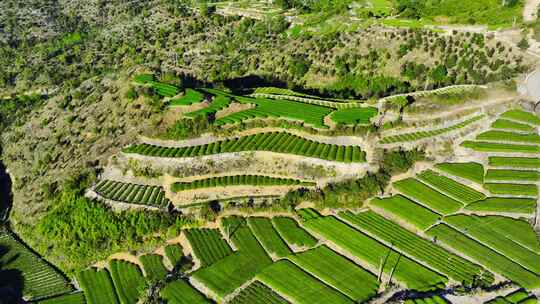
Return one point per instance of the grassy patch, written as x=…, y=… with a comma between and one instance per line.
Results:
x=354, y=115
x=404, y=209
x=471, y=171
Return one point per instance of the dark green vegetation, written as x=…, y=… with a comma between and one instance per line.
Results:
x=160, y=88
x=237, y=180
x=280, y=142
x=431, y=300
x=73, y=298
x=22, y=269
x=153, y=196
x=174, y=253
x=519, y=296
x=257, y=292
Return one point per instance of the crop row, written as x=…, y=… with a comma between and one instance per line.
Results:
x=412, y=274
x=450, y=187
x=436, y=299
x=406, y=210
x=427, y=196
x=269, y=238
x=128, y=280
x=504, y=205
x=310, y=100
x=280, y=142
x=72, y=298
x=506, y=124
x=257, y=292
x=519, y=297
x=484, y=255
x=412, y=245
x=97, y=286
x=405, y=137
x=231, y=272
x=302, y=288
x=497, y=135
x=338, y=272
x=512, y=175
x=180, y=292
x=471, y=171
x=523, y=116
x=515, y=162
x=154, y=269
x=512, y=189
x=293, y=234
x=235, y=180
x=476, y=227
x=132, y=193
x=39, y=279
x=174, y=253
x=286, y=109
x=208, y=245
x=484, y=146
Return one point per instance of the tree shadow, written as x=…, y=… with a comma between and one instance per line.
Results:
x=6, y=200
x=11, y=280
x=240, y=84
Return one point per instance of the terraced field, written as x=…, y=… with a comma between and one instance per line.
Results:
x=219, y=102
x=180, y=292
x=470, y=171
x=414, y=136
x=128, y=281
x=152, y=196
x=280, y=142
x=237, y=180
x=406, y=210
x=97, y=286
x=190, y=97
x=268, y=237
x=354, y=116
x=450, y=187
x=153, y=266
x=257, y=292
x=39, y=278
x=162, y=89
x=208, y=245
x=427, y=196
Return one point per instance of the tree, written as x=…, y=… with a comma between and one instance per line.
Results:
x=523, y=44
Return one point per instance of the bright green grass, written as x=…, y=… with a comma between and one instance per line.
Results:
x=483, y=146
x=428, y=197
x=190, y=97
x=476, y=228
x=352, y=116
x=511, y=125
x=72, y=298
x=162, y=89
x=431, y=300
x=180, y=292
x=143, y=78
x=128, y=281
x=512, y=189
x=257, y=292
x=39, y=278
x=237, y=180
x=338, y=272
x=504, y=204
x=484, y=255
x=496, y=135
x=408, y=272
x=291, y=281
x=520, y=231
x=514, y=162
x=471, y=171
x=153, y=266
x=275, y=108
x=404, y=209
x=450, y=187
x=512, y=175
x=268, y=237
x=174, y=253
x=220, y=102
x=289, y=230
x=208, y=245
x=406, y=137
x=420, y=249
x=518, y=296
x=522, y=116
x=97, y=286
x=229, y=273
x=279, y=142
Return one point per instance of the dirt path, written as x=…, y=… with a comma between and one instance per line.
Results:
x=530, y=10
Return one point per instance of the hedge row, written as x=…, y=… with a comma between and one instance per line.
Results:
x=235, y=180
x=132, y=193
x=280, y=142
